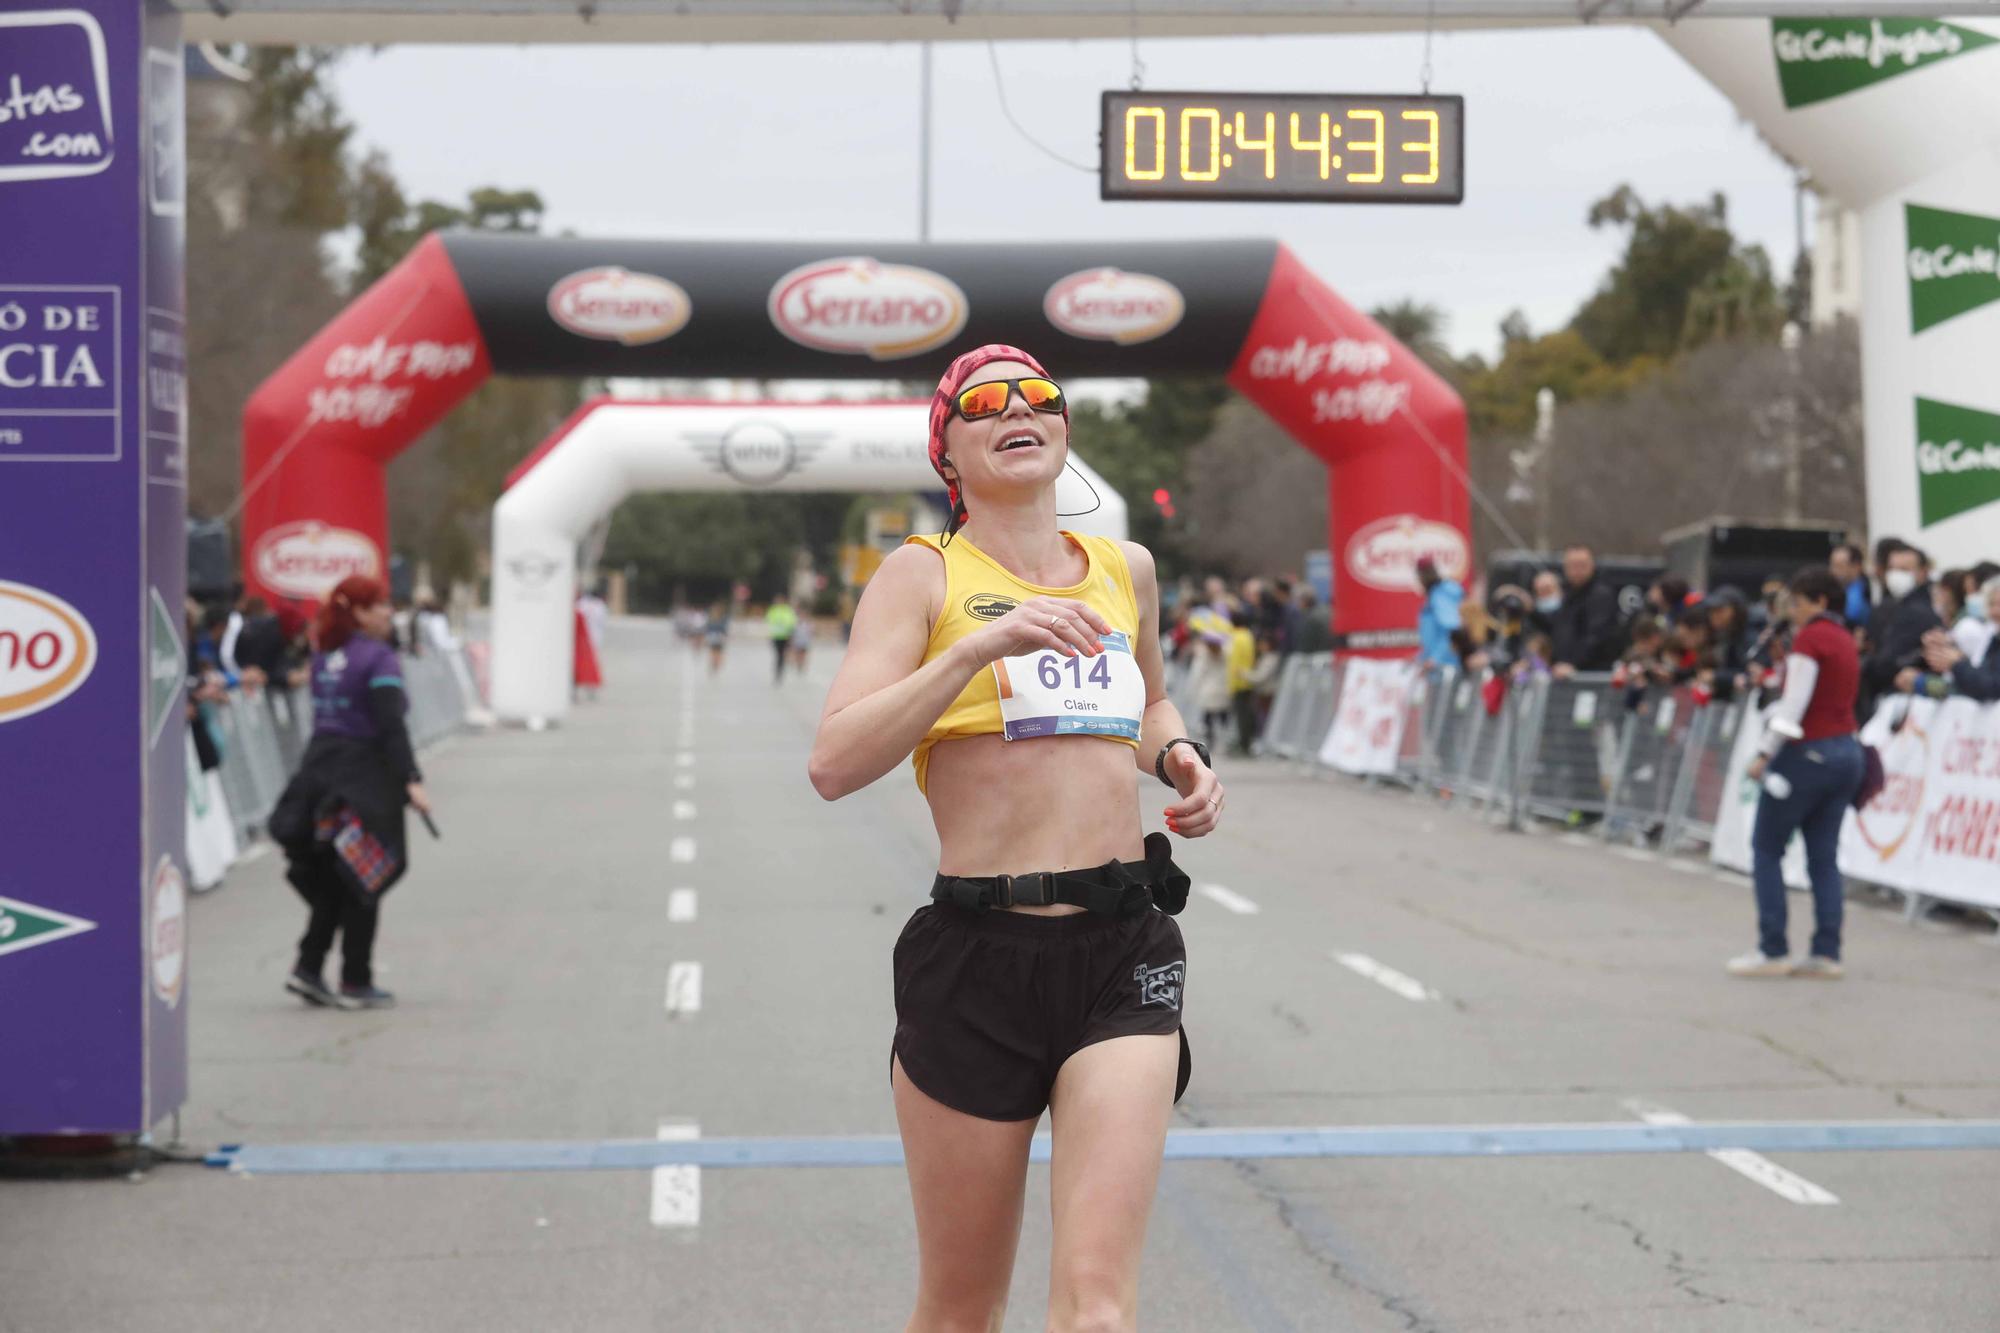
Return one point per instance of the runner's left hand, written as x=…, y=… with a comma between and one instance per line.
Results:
x=1200, y=808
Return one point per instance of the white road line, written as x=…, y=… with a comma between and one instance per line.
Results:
x=1685, y=866
x=1578, y=840
x=1635, y=853
x=1235, y=902
x=684, y=759
x=683, y=809
x=1753, y=1166
x=684, y=781
x=683, y=989
x=680, y=906
x=681, y=850
x=677, y=1189
x=1407, y=987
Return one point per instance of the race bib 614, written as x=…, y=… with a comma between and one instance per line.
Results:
x=1044, y=693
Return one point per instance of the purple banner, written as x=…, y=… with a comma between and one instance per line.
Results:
x=93, y=947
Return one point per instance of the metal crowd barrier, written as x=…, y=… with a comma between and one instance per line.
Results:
x=1644, y=765
x=263, y=734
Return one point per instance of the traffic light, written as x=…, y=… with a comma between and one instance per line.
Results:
x=1165, y=500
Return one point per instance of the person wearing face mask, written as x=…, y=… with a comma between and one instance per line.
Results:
x=1896, y=632
x=1548, y=590
x=1950, y=669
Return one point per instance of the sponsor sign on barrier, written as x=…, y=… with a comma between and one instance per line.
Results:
x=1957, y=839
x=1880, y=844
x=1367, y=730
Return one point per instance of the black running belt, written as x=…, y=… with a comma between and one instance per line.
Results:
x=1116, y=887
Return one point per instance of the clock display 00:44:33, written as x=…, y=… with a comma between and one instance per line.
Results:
x=1288, y=147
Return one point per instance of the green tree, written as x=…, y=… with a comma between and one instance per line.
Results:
x=1420, y=327
x=1682, y=280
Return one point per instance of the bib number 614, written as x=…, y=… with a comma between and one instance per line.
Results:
x=1049, y=670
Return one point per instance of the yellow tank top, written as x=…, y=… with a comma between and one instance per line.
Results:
x=978, y=590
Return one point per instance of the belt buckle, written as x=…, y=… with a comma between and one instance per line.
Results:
x=1004, y=890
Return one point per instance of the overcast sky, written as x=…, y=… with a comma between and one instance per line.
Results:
x=793, y=142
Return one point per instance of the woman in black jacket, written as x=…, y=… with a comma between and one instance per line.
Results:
x=340, y=819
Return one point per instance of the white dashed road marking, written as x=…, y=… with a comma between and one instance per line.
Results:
x=1754, y=1166
x=680, y=906
x=681, y=850
x=684, y=759
x=1235, y=902
x=1406, y=986
x=683, y=989
x=677, y=1189
x=684, y=781
x=683, y=809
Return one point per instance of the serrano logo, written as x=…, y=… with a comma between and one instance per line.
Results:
x=47, y=650
x=858, y=307
x=1384, y=554
x=168, y=937
x=1108, y=305
x=305, y=559
x=617, y=306
x=1888, y=820
x=989, y=605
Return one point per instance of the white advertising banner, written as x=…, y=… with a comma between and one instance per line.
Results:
x=1367, y=728
x=211, y=833
x=1958, y=838
x=1880, y=844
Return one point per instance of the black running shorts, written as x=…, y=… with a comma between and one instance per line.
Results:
x=989, y=1004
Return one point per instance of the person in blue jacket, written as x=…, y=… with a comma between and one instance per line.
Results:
x=1439, y=617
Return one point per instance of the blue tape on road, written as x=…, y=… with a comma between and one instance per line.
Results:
x=1182, y=1145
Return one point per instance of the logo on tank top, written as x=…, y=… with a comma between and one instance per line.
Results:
x=1161, y=985
x=989, y=605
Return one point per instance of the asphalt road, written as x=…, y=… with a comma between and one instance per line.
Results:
x=546, y=951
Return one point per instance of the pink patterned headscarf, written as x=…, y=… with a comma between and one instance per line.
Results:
x=956, y=376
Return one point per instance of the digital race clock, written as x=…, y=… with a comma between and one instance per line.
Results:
x=1299, y=147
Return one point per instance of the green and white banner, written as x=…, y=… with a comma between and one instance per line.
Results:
x=1958, y=459
x=1823, y=58
x=1954, y=263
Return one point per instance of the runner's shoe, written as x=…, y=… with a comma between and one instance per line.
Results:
x=1826, y=969
x=366, y=997
x=308, y=987
x=1757, y=963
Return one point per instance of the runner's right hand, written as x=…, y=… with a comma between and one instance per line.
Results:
x=1075, y=629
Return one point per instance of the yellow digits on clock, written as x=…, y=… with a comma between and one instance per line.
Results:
x=1374, y=145
x=1214, y=119
x=1428, y=146
x=1268, y=143
x=1324, y=143
x=1133, y=115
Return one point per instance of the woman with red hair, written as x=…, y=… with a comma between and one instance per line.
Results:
x=340, y=819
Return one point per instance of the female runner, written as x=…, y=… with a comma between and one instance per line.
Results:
x=1021, y=665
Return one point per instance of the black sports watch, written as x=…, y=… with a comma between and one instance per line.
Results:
x=1160, y=760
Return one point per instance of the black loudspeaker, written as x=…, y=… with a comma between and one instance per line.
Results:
x=211, y=566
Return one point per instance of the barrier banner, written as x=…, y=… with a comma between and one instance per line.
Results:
x=211, y=833
x=1880, y=844
x=1958, y=837
x=1367, y=730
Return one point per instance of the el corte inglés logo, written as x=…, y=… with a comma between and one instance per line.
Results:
x=1823, y=58
x=1958, y=459
x=1953, y=261
x=47, y=650
x=1384, y=554
x=859, y=307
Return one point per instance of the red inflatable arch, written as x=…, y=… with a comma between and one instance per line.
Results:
x=318, y=434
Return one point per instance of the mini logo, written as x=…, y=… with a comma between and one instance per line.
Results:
x=47, y=650
x=989, y=605
x=617, y=306
x=1108, y=305
x=1161, y=985
x=532, y=569
x=757, y=453
x=168, y=939
x=306, y=558
x=859, y=307
x=1384, y=554
x=55, y=96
